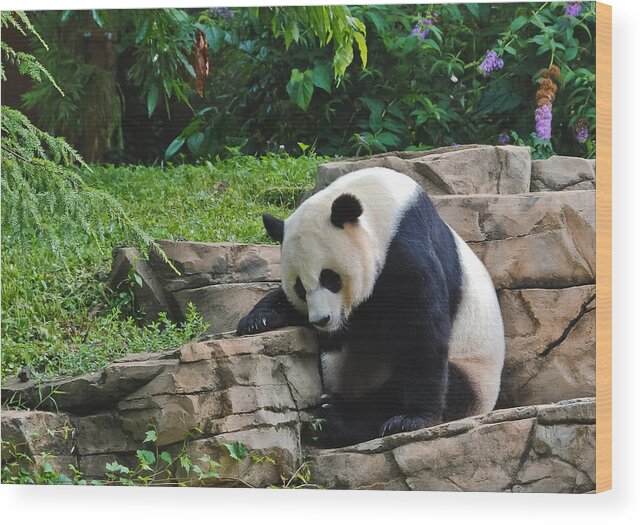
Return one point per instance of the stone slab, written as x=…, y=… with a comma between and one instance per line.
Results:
x=223, y=305
x=545, y=240
x=559, y=173
x=460, y=171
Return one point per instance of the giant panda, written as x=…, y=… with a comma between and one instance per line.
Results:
x=409, y=324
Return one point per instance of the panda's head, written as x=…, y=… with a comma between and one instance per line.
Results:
x=329, y=259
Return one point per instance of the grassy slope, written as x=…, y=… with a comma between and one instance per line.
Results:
x=56, y=317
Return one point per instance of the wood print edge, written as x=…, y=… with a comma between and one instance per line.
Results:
x=603, y=247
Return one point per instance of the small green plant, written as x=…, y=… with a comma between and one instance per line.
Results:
x=300, y=479
x=158, y=467
x=316, y=428
x=151, y=466
x=22, y=469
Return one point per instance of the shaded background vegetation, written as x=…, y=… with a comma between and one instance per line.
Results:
x=136, y=80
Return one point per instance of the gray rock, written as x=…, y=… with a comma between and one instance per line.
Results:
x=536, y=240
x=150, y=297
x=562, y=458
x=483, y=460
x=581, y=410
x=223, y=305
x=460, y=171
x=550, y=345
x=254, y=389
x=94, y=391
x=559, y=173
x=509, y=450
x=329, y=171
x=281, y=443
x=201, y=264
x=103, y=433
x=37, y=432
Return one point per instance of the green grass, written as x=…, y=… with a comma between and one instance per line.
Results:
x=57, y=318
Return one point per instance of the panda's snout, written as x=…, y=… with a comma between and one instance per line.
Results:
x=321, y=322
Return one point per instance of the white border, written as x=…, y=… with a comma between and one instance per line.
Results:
x=44, y=505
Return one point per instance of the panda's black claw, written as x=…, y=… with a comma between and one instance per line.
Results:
x=326, y=406
x=326, y=397
x=403, y=423
x=260, y=320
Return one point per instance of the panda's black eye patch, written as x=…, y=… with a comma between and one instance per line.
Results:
x=330, y=280
x=300, y=290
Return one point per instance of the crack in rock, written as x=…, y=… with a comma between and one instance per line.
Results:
x=583, y=310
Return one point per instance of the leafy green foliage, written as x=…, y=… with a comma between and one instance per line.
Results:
x=279, y=76
x=417, y=91
x=26, y=63
x=92, y=106
x=159, y=47
x=329, y=24
x=300, y=88
x=39, y=182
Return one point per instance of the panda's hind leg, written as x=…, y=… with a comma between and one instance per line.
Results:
x=348, y=422
x=461, y=396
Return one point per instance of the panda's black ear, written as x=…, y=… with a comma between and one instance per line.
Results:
x=274, y=227
x=346, y=208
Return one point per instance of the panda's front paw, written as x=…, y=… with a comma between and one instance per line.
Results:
x=260, y=320
x=406, y=424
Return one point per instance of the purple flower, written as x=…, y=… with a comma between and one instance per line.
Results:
x=491, y=62
x=573, y=9
x=422, y=28
x=504, y=139
x=582, y=132
x=543, y=121
x=223, y=12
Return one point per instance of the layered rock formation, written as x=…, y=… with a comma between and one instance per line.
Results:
x=544, y=448
x=539, y=247
x=256, y=390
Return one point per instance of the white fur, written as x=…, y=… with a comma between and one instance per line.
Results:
x=311, y=243
x=477, y=344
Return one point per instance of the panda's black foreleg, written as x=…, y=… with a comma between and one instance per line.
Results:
x=420, y=389
x=272, y=312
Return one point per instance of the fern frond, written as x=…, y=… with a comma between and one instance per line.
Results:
x=42, y=176
x=28, y=25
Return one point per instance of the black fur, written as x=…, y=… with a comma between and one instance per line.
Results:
x=272, y=312
x=346, y=208
x=460, y=395
x=274, y=227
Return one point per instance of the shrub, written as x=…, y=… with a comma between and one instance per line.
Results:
x=429, y=75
